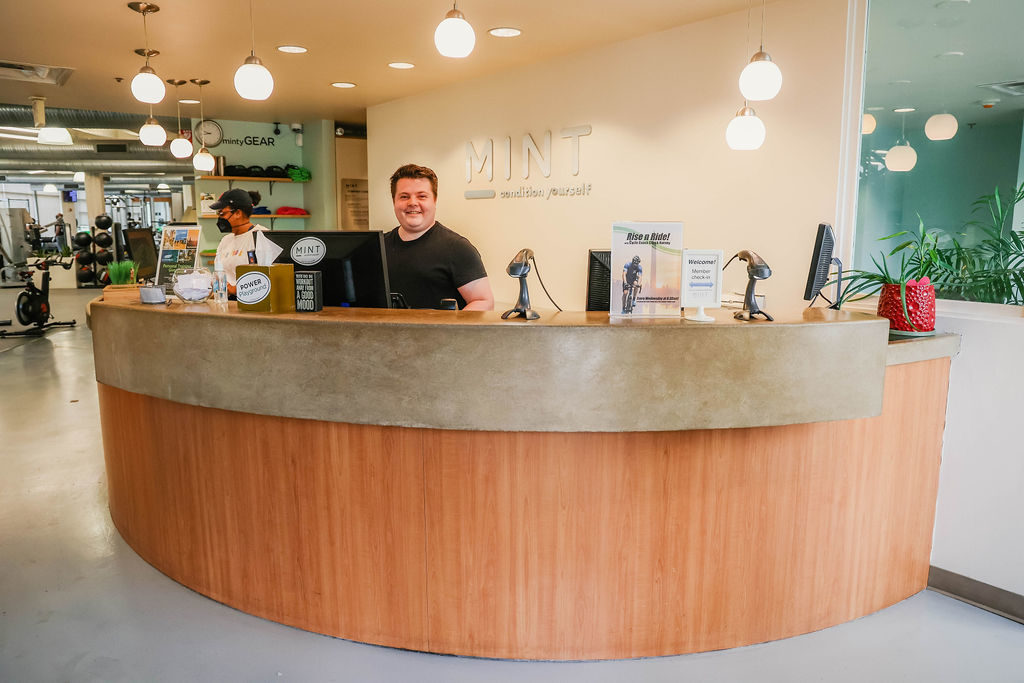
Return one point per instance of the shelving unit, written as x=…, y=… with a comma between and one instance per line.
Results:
x=232, y=178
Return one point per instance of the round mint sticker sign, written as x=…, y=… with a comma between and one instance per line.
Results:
x=253, y=287
x=308, y=251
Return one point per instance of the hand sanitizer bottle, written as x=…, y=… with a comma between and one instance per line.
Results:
x=220, y=285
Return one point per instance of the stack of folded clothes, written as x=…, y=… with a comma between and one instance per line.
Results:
x=291, y=211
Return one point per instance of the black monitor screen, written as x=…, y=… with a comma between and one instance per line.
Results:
x=353, y=264
x=821, y=261
x=599, y=280
x=142, y=250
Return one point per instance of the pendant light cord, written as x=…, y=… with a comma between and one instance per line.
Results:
x=179, y=108
x=252, y=27
x=145, y=32
x=763, y=21
x=202, y=128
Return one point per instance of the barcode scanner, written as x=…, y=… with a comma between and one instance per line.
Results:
x=757, y=269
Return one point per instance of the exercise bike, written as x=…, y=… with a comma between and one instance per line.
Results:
x=33, y=304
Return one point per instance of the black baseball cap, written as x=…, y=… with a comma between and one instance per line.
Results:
x=235, y=199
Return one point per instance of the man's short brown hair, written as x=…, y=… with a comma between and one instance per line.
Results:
x=413, y=171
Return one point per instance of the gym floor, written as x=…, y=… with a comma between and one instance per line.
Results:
x=77, y=604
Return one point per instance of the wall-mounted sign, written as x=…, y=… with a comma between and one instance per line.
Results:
x=531, y=155
x=702, y=282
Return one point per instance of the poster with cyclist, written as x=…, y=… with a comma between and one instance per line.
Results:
x=647, y=268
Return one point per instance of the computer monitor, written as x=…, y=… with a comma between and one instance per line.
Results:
x=354, y=267
x=142, y=250
x=821, y=263
x=599, y=280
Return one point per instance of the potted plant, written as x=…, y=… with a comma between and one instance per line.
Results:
x=907, y=296
x=122, y=279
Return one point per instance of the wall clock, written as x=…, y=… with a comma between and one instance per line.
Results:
x=209, y=133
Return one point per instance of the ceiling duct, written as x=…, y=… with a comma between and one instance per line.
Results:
x=1011, y=88
x=34, y=73
x=20, y=116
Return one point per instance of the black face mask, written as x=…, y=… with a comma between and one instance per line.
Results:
x=223, y=225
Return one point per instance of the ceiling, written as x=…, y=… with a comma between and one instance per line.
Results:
x=347, y=41
x=906, y=41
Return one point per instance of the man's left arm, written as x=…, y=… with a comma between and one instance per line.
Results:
x=478, y=295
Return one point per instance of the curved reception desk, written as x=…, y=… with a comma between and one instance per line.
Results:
x=568, y=488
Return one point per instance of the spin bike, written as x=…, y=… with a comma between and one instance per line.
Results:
x=33, y=304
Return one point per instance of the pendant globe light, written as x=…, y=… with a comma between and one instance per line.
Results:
x=454, y=37
x=746, y=131
x=941, y=127
x=47, y=135
x=152, y=134
x=901, y=158
x=181, y=148
x=868, y=124
x=253, y=81
x=761, y=79
x=146, y=85
x=203, y=160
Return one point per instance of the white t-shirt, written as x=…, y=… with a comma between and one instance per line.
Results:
x=232, y=251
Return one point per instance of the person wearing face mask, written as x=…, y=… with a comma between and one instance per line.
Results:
x=428, y=262
x=233, y=211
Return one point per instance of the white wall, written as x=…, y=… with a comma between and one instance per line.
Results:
x=658, y=106
x=979, y=521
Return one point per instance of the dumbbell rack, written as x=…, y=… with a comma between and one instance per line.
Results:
x=93, y=273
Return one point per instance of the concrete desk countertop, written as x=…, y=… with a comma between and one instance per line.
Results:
x=571, y=371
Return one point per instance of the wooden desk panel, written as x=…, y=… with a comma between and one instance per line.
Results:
x=535, y=545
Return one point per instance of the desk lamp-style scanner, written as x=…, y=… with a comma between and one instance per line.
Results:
x=757, y=269
x=520, y=267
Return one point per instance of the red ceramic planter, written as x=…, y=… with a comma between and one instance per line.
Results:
x=920, y=306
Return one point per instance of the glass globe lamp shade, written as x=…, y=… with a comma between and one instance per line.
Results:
x=53, y=136
x=49, y=187
x=746, y=131
x=454, y=37
x=203, y=160
x=867, y=125
x=253, y=81
x=147, y=86
x=941, y=127
x=181, y=148
x=79, y=177
x=152, y=134
x=761, y=79
x=901, y=158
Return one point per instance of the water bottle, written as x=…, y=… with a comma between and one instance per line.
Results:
x=220, y=286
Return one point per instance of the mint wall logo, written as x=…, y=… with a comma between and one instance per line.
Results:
x=253, y=287
x=308, y=251
x=530, y=157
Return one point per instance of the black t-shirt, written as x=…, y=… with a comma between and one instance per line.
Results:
x=432, y=267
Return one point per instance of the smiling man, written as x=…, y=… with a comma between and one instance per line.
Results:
x=428, y=262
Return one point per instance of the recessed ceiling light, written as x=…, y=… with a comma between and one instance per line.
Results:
x=343, y=84
x=505, y=32
x=904, y=110
x=875, y=108
x=900, y=82
x=292, y=49
x=189, y=101
x=401, y=65
x=951, y=53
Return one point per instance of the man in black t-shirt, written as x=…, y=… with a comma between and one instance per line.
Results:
x=428, y=262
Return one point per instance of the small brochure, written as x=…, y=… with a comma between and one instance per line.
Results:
x=647, y=266
x=179, y=249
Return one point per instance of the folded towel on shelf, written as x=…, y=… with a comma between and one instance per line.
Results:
x=261, y=210
x=291, y=211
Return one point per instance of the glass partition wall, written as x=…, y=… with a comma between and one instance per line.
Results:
x=941, y=137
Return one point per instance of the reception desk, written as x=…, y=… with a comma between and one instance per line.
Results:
x=568, y=488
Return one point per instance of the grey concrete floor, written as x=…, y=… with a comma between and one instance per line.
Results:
x=77, y=604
